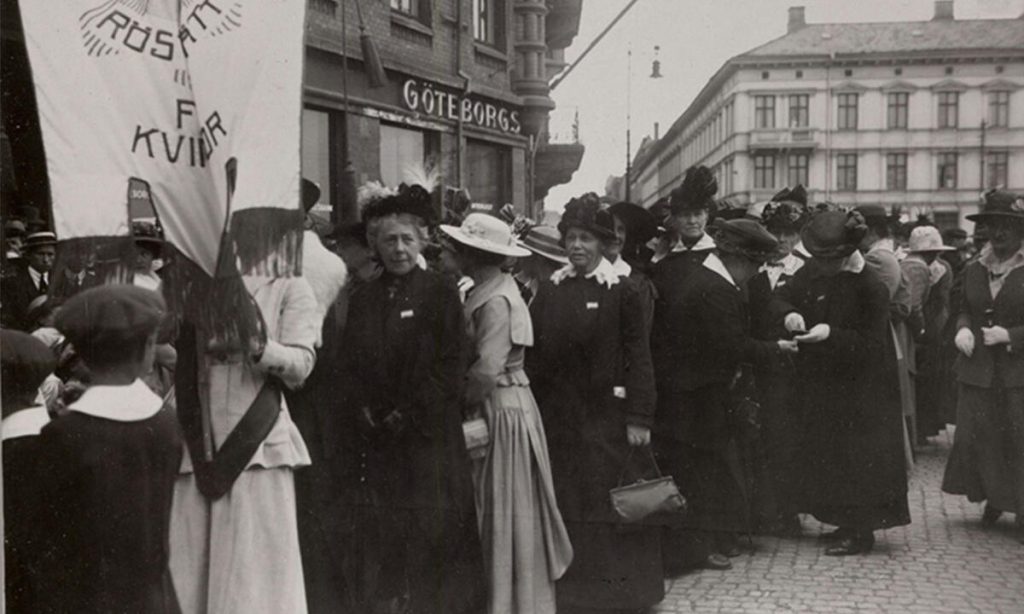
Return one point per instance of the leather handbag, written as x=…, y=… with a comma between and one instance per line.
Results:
x=478, y=437
x=638, y=500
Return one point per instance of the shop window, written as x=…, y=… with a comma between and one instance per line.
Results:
x=764, y=111
x=798, y=105
x=846, y=172
x=947, y=170
x=489, y=22
x=764, y=171
x=316, y=150
x=797, y=169
x=997, y=166
x=896, y=171
x=490, y=173
x=846, y=118
x=897, y=110
x=949, y=109
x=399, y=149
x=999, y=109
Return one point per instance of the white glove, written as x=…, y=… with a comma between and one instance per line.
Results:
x=995, y=335
x=964, y=341
x=795, y=323
x=788, y=347
x=817, y=334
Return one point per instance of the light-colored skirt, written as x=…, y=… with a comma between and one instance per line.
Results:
x=526, y=545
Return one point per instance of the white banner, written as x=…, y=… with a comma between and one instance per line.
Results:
x=167, y=91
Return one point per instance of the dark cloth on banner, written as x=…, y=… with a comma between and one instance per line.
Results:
x=987, y=461
x=851, y=447
x=17, y=291
x=590, y=370
x=407, y=495
x=108, y=487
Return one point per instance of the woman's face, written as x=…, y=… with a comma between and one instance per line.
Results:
x=143, y=259
x=583, y=248
x=399, y=243
x=613, y=247
x=451, y=261
x=1005, y=238
x=692, y=224
x=787, y=241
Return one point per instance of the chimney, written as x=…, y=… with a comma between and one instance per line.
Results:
x=656, y=126
x=943, y=10
x=796, y=19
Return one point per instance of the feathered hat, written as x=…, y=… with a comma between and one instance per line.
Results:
x=787, y=211
x=697, y=191
x=587, y=213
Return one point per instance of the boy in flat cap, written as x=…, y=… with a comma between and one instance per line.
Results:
x=26, y=363
x=111, y=462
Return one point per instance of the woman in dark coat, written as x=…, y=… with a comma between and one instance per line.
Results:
x=628, y=252
x=590, y=369
x=852, y=444
x=407, y=473
x=987, y=462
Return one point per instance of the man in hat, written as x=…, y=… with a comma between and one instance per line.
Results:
x=29, y=279
x=111, y=464
x=695, y=433
x=26, y=363
x=546, y=256
x=14, y=240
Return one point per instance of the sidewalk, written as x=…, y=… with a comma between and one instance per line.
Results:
x=942, y=563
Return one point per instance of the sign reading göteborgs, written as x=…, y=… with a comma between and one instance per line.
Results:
x=429, y=99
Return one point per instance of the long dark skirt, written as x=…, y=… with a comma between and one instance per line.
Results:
x=987, y=461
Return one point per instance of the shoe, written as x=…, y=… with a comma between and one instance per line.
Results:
x=838, y=534
x=990, y=516
x=716, y=562
x=848, y=546
x=788, y=526
x=731, y=552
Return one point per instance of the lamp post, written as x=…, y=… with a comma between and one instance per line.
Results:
x=655, y=74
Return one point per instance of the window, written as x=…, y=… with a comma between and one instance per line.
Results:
x=409, y=7
x=896, y=171
x=764, y=171
x=996, y=166
x=999, y=109
x=489, y=22
x=764, y=111
x=847, y=116
x=947, y=170
x=949, y=109
x=797, y=169
x=798, y=110
x=399, y=147
x=316, y=150
x=490, y=172
x=897, y=114
x=846, y=172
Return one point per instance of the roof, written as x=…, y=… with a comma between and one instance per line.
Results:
x=853, y=41
x=896, y=37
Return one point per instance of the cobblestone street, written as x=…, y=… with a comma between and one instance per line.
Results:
x=942, y=562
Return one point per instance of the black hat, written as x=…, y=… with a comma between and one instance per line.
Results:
x=147, y=233
x=834, y=234
x=110, y=316
x=1000, y=205
x=697, y=191
x=24, y=363
x=788, y=214
x=952, y=234
x=641, y=226
x=745, y=238
x=310, y=194
x=873, y=212
x=14, y=228
x=585, y=212
x=796, y=195
x=411, y=200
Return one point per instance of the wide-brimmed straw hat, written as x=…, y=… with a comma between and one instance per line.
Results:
x=927, y=239
x=486, y=233
x=546, y=242
x=833, y=234
x=1000, y=205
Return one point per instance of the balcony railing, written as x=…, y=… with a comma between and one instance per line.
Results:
x=784, y=138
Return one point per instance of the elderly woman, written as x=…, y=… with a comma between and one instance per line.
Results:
x=591, y=370
x=852, y=444
x=987, y=462
x=407, y=475
x=526, y=546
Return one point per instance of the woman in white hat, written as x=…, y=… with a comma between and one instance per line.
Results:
x=526, y=545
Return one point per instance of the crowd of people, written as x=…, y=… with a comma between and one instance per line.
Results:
x=431, y=418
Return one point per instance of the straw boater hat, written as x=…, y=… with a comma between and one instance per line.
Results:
x=546, y=242
x=42, y=238
x=834, y=234
x=927, y=239
x=486, y=233
x=1000, y=206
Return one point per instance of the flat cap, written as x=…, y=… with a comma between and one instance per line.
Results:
x=24, y=363
x=108, y=315
x=744, y=237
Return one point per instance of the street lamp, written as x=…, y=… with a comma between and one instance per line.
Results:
x=655, y=74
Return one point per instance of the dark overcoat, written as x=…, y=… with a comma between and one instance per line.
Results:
x=590, y=369
x=17, y=291
x=109, y=488
x=852, y=443
x=406, y=478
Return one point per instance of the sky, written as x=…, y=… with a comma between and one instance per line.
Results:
x=695, y=38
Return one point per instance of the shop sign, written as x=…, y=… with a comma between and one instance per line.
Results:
x=424, y=97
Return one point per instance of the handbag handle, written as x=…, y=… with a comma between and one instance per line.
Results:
x=629, y=456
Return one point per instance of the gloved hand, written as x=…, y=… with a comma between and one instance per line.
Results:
x=788, y=347
x=794, y=323
x=638, y=435
x=994, y=335
x=817, y=334
x=964, y=341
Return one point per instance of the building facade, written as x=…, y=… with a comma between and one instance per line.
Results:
x=920, y=115
x=465, y=89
